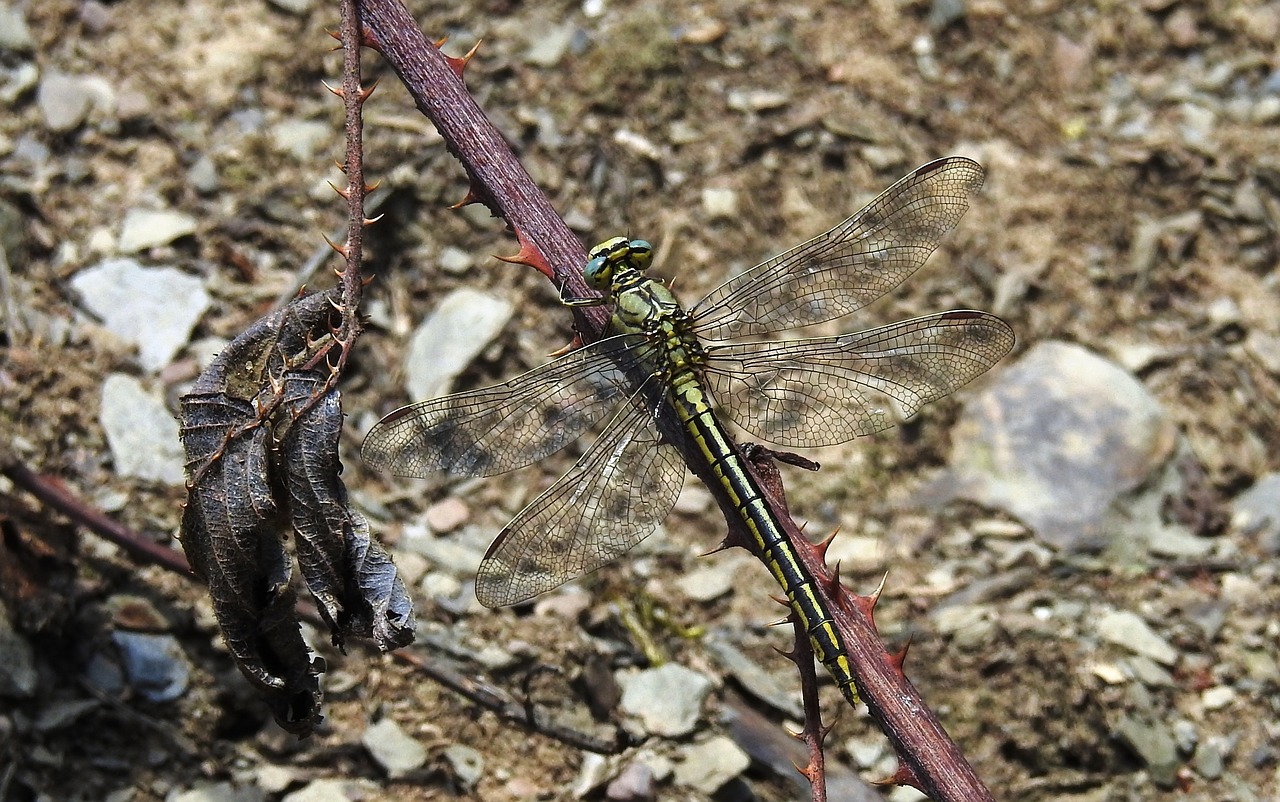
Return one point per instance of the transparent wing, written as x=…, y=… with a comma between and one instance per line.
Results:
x=506, y=426
x=817, y=392
x=612, y=498
x=851, y=265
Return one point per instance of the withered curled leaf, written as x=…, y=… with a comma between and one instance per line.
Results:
x=260, y=429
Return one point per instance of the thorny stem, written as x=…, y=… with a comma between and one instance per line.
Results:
x=353, y=98
x=930, y=759
x=813, y=734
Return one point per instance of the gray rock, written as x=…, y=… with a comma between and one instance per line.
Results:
x=1055, y=441
x=302, y=138
x=14, y=83
x=154, y=665
x=203, y=175
x=332, y=790
x=64, y=712
x=1154, y=745
x=17, y=662
x=945, y=12
x=295, y=7
x=15, y=36
x=447, y=340
x=66, y=101
x=1257, y=512
x=221, y=792
x=454, y=260
x=707, y=766
x=548, y=45
x=393, y=749
x=712, y=580
x=753, y=677
x=1208, y=760
x=667, y=700
x=153, y=307
x=633, y=784
x=467, y=764
x=1127, y=630
x=142, y=433
x=143, y=229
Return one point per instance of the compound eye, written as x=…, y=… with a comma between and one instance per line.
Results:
x=606, y=248
x=598, y=273
x=641, y=253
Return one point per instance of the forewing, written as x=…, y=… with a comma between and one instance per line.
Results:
x=851, y=265
x=612, y=498
x=496, y=429
x=817, y=392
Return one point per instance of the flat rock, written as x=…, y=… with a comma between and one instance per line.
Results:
x=1155, y=746
x=397, y=752
x=449, y=338
x=155, y=665
x=154, y=308
x=65, y=101
x=1257, y=512
x=1129, y=631
x=150, y=228
x=15, y=36
x=142, y=433
x=302, y=139
x=1055, y=441
x=334, y=790
x=221, y=792
x=17, y=662
x=667, y=700
x=707, y=766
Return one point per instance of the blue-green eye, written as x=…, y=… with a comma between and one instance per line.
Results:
x=641, y=253
x=598, y=273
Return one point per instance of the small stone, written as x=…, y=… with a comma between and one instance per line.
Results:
x=203, y=175
x=444, y=344
x=154, y=665
x=637, y=144
x=155, y=308
x=1208, y=760
x=302, y=139
x=467, y=764
x=1217, y=697
x=142, y=433
x=392, y=748
x=710, y=581
x=297, y=8
x=144, y=229
x=15, y=36
x=274, y=779
x=633, y=784
x=753, y=100
x=548, y=45
x=719, y=203
x=1185, y=735
x=1127, y=630
x=333, y=790
x=447, y=515
x=1256, y=512
x=707, y=766
x=1180, y=27
x=1154, y=745
x=454, y=260
x=64, y=100
x=1109, y=673
x=17, y=661
x=221, y=792
x=944, y=12
x=61, y=713
x=667, y=700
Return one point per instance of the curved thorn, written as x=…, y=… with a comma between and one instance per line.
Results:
x=337, y=90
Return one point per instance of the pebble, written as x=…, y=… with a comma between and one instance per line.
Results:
x=467, y=764
x=14, y=83
x=711, y=581
x=1054, y=441
x=301, y=139
x=297, y=8
x=17, y=661
x=719, y=203
x=1129, y=631
x=15, y=36
x=393, y=749
x=1180, y=26
x=274, y=779
x=1208, y=760
x=1185, y=735
x=141, y=432
x=459, y=554
x=1218, y=697
x=749, y=100
x=548, y=45
x=155, y=308
x=754, y=678
x=667, y=700
x=335, y=790
x=454, y=260
x=155, y=665
x=65, y=101
x=221, y=792
x=633, y=784
x=447, y=515
x=203, y=175
x=63, y=712
x=707, y=766
x=1154, y=745
x=143, y=229
x=446, y=342
x=1257, y=513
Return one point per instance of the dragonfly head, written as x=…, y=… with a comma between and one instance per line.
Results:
x=608, y=256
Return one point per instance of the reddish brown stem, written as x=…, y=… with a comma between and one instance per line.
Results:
x=55, y=495
x=353, y=98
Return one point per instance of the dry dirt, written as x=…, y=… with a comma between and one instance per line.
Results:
x=1094, y=120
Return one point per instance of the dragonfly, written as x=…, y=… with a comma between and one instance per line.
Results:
x=662, y=366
